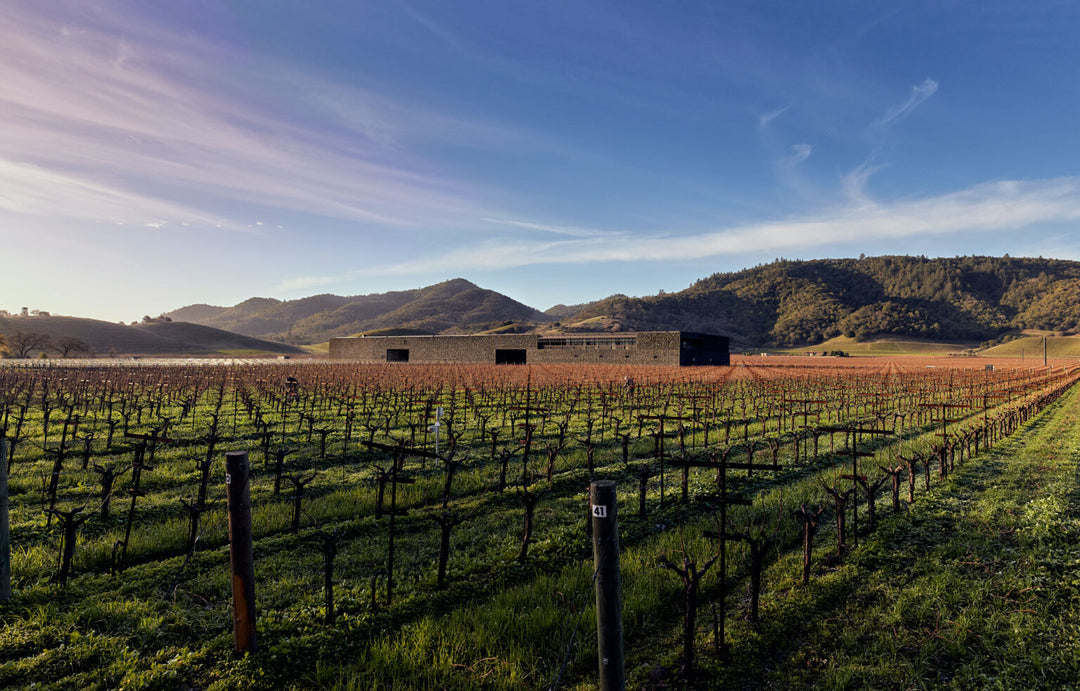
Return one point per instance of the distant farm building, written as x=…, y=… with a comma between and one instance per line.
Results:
x=645, y=348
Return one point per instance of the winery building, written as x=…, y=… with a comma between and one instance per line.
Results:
x=645, y=348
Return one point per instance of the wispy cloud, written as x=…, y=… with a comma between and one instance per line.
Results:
x=853, y=185
x=980, y=209
x=33, y=190
x=799, y=153
x=142, y=129
x=766, y=118
x=919, y=94
x=573, y=231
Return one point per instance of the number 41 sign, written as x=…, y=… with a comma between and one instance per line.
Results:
x=599, y=511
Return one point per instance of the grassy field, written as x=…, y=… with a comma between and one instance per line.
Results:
x=156, y=338
x=1031, y=348
x=885, y=347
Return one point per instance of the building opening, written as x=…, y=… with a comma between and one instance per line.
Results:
x=397, y=354
x=509, y=356
x=703, y=349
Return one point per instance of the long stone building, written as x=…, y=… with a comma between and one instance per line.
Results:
x=644, y=348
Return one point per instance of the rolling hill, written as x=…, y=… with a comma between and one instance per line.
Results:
x=785, y=303
x=157, y=338
x=455, y=306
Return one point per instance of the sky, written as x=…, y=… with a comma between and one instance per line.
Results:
x=155, y=154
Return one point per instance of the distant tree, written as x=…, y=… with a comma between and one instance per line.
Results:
x=22, y=343
x=70, y=345
x=3, y=345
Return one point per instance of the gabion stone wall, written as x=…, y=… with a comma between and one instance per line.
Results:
x=645, y=348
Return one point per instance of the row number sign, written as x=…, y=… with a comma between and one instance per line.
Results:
x=599, y=511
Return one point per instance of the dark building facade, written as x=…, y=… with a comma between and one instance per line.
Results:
x=645, y=348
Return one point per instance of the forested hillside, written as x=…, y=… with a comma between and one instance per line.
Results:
x=805, y=302
x=784, y=303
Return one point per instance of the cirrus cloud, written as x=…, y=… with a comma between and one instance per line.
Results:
x=983, y=208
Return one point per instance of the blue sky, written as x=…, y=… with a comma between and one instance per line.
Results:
x=156, y=154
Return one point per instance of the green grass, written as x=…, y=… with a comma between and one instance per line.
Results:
x=884, y=347
x=1031, y=348
x=975, y=588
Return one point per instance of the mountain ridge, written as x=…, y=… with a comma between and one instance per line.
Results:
x=453, y=306
x=781, y=303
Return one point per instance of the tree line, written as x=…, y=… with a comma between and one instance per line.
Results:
x=23, y=344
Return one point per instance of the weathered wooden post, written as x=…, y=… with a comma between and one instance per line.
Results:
x=5, y=540
x=609, y=630
x=241, y=556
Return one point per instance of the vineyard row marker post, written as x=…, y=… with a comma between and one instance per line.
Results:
x=609, y=629
x=241, y=557
x=5, y=540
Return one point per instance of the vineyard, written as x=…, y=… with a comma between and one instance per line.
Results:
x=429, y=526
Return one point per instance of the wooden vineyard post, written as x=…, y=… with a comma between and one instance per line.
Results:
x=5, y=538
x=605, y=530
x=241, y=557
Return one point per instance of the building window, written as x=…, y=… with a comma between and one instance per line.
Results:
x=397, y=354
x=592, y=341
x=509, y=356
